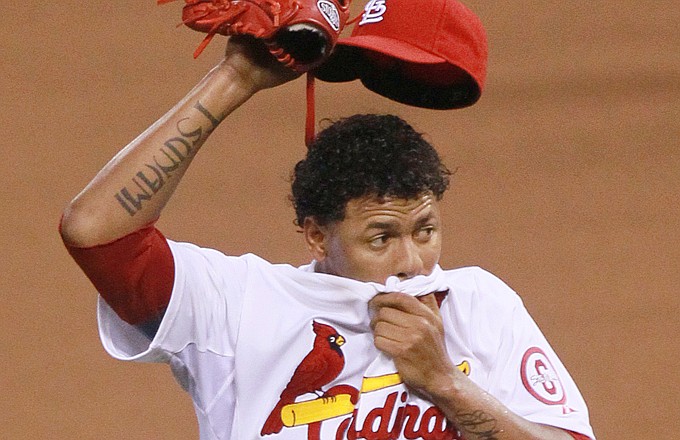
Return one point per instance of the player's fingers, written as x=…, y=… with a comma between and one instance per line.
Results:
x=388, y=330
x=430, y=301
x=394, y=340
x=404, y=327
x=386, y=345
x=401, y=342
x=389, y=315
x=418, y=313
x=399, y=301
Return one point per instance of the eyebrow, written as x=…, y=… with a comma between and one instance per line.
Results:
x=393, y=225
x=381, y=225
x=425, y=220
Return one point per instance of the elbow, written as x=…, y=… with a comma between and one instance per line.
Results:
x=79, y=227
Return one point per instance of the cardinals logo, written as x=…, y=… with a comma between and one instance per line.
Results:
x=373, y=12
x=321, y=365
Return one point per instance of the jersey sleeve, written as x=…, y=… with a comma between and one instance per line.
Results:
x=528, y=376
x=204, y=310
x=134, y=274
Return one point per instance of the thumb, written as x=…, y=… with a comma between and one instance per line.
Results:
x=430, y=301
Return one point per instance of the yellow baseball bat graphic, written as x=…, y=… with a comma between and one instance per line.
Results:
x=388, y=380
x=379, y=382
x=317, y=410
x=324, y=408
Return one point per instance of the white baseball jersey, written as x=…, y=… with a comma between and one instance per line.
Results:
x=237, y=328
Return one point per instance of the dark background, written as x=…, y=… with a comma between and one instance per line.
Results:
x=568, y=171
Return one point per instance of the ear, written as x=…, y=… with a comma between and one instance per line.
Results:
x=315, y=237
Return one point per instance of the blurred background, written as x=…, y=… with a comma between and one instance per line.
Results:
x=566, y=186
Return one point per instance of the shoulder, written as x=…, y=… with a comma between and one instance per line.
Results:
x=191, y=251
x=483, y=312
x=476, y=288
x=194, y=257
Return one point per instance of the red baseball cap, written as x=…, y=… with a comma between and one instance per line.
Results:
x=425, y=53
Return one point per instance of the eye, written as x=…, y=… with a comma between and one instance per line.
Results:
x=331, y=339
x=424, y=234
x=379, y=241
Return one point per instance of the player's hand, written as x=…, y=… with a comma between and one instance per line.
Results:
x=257, y=68
x=411, y=332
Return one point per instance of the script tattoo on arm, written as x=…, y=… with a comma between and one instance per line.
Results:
x=480, y=424
x=171, y=155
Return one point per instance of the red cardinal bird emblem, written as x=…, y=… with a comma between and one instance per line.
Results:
x=318, y=368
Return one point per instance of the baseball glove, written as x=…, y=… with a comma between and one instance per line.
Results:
x=300, y=33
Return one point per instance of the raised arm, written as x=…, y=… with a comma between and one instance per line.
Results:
x=134, y=187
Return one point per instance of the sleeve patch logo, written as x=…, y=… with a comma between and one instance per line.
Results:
x=540, y=378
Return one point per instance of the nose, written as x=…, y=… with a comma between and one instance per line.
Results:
x=409, y=260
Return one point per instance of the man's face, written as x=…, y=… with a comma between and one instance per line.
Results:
x=379, y=238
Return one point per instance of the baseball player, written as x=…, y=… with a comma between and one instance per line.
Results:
x=371, y=340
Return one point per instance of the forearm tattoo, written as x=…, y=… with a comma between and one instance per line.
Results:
x=478, y=423
x=154, y=175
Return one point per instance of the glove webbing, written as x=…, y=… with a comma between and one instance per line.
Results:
x=228, y=18
x=233, y=13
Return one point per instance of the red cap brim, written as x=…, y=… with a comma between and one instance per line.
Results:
x=392, y=47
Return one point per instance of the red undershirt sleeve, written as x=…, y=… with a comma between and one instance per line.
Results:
x=133, y=274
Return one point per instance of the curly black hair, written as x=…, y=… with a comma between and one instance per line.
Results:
x=363, y=155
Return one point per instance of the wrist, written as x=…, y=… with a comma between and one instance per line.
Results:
x=224, y=89
x=255, y=66
x=238, y=75
x=446, y=388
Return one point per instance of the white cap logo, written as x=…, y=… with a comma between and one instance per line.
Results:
x=330, y=13
x=373, y=12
